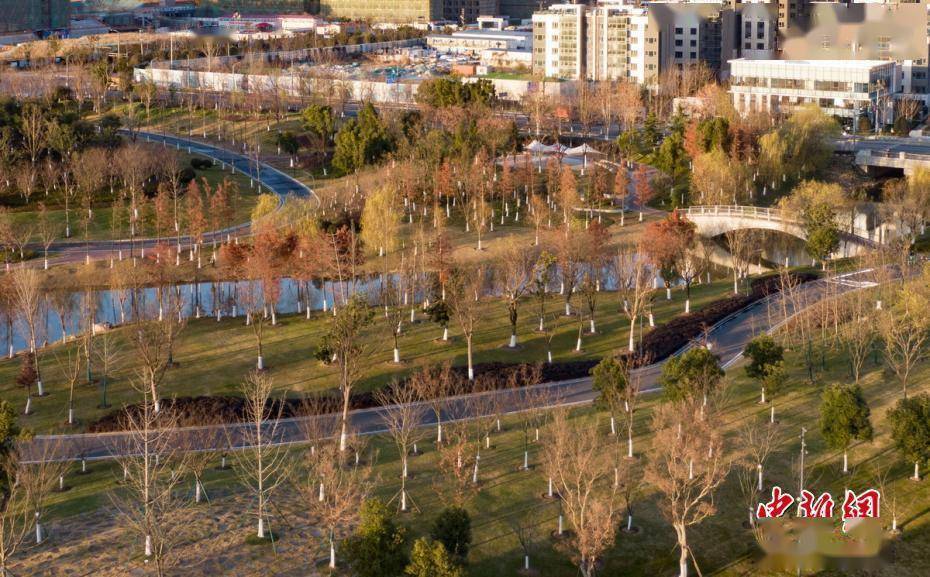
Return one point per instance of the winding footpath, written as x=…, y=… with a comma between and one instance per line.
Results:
x=727, y=339
x=275, y=180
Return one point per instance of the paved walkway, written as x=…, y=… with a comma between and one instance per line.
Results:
x=727, y=339
x=273, y=179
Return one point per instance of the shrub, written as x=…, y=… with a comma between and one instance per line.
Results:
x=452, y=528
x=377, y=547
x=201, y=163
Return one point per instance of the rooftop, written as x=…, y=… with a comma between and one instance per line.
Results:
x=848, y=64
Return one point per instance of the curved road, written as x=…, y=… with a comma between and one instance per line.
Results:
x=727, y=339
x=275, y=180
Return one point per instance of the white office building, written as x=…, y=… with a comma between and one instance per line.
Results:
x=844, y=88
x=475, y=41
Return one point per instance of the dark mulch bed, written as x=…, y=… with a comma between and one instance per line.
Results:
x=657, y=345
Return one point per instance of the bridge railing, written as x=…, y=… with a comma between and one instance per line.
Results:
x=765, y=213
x=760, y=212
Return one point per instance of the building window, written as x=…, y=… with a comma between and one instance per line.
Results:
x=679, y=30
x=760, y=46
x=694, y=43
x=678, y=42
x=694, y=31
x=693, y=55
x=677, y=54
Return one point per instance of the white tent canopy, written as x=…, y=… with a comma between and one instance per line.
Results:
x=581, y=150
x=537, y=146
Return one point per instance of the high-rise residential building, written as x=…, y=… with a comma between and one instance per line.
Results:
x=559, y=41
x=40, y=16
x=612, y=40
x=616, y=43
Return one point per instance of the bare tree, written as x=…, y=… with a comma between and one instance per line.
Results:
x=464, y=299
x=633, y=277
x=584, y=480
x=263, y=464
x=433, y=385
x=27, y=288
x=515, y=270
x=69, y=365
x=687, y=466
x=740, y=244
x=332, y=488
x=759, y=439
x=402, y=411
x=904, y=329
x=148, y=502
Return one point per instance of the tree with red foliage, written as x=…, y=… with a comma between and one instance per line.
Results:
x=671, y=251
x=643, y=188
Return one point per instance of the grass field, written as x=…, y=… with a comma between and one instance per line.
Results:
x=215, y=357
x=721, y=544
x=100, y=227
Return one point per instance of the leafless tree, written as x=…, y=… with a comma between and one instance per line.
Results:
x=740, y=244
x=263, y=463
x=69, y=365
x=332, y=488
x=584, y=480
x=513, y=277
x=402, y=412
x=759, y=440
x=27, y=288
x=23, y=485
x=633, y=277
x=464, y=298
x=687, y=466
x=904, y=329
x=433, y=385
x=148, y=502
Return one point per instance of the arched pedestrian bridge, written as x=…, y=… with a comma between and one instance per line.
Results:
x=714, y=220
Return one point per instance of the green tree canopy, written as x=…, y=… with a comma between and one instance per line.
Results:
x=763, y=352
x=319, y=120
x=691, y=375
x=377, y=547
x=451, y=91
x=452, y=528
x=844, y=416
x=610, y=382
x=910, y=427
x=430, y=559
x=362, y=141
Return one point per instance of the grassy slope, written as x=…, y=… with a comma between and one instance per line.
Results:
x=214, y=357
x=721, y=545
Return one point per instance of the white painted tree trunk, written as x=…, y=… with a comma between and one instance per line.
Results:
x=652, y=321
x=668, y=293
x=549, y=356
x=439, y=433
x=513, y=341
x=148, y=545
x=261, y=363
x=845, y=462
x=396, y=356
x=687, y=306
x=578, y=345
x=445, y=333
x=917, y=471
x=759, y=476
x=613, y=425
x=40, y=387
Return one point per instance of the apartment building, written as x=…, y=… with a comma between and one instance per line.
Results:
x=616, y=44
x=559, y=41
x=612, y=40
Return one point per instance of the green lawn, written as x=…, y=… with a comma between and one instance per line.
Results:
x=214, y=357
x=721, y=545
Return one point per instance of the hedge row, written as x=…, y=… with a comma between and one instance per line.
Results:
x=658, y=344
